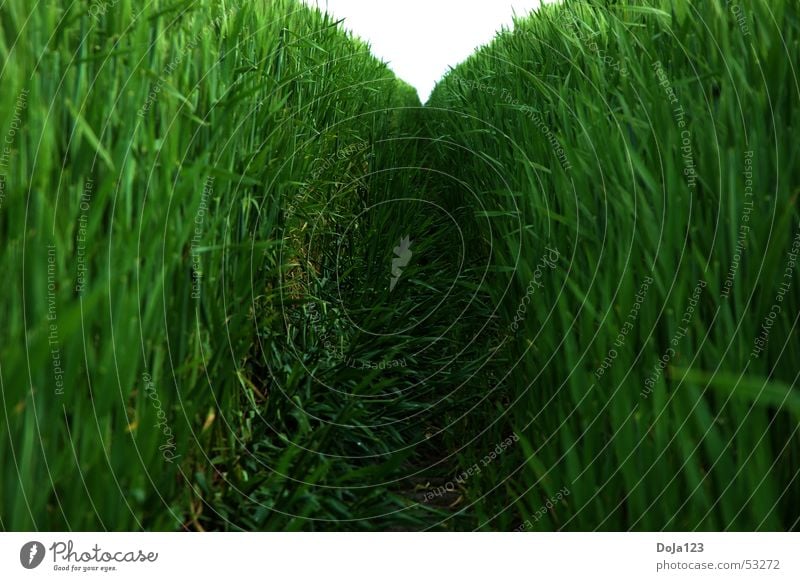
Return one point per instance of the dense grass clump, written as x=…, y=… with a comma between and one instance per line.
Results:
x=159, y=160
x=633, y=173
x=253, y=284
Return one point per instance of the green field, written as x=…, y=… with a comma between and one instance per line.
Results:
x=252, y=283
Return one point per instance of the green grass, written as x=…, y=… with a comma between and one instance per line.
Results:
x=567, y=131
x=237, y=99
x=200, y=206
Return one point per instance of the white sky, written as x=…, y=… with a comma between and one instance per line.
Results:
x=422, y=39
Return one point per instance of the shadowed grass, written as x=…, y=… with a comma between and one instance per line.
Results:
x=635, y=139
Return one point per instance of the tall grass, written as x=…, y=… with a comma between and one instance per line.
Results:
x=253, y=284
x=616, y=150
x=146, y=218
